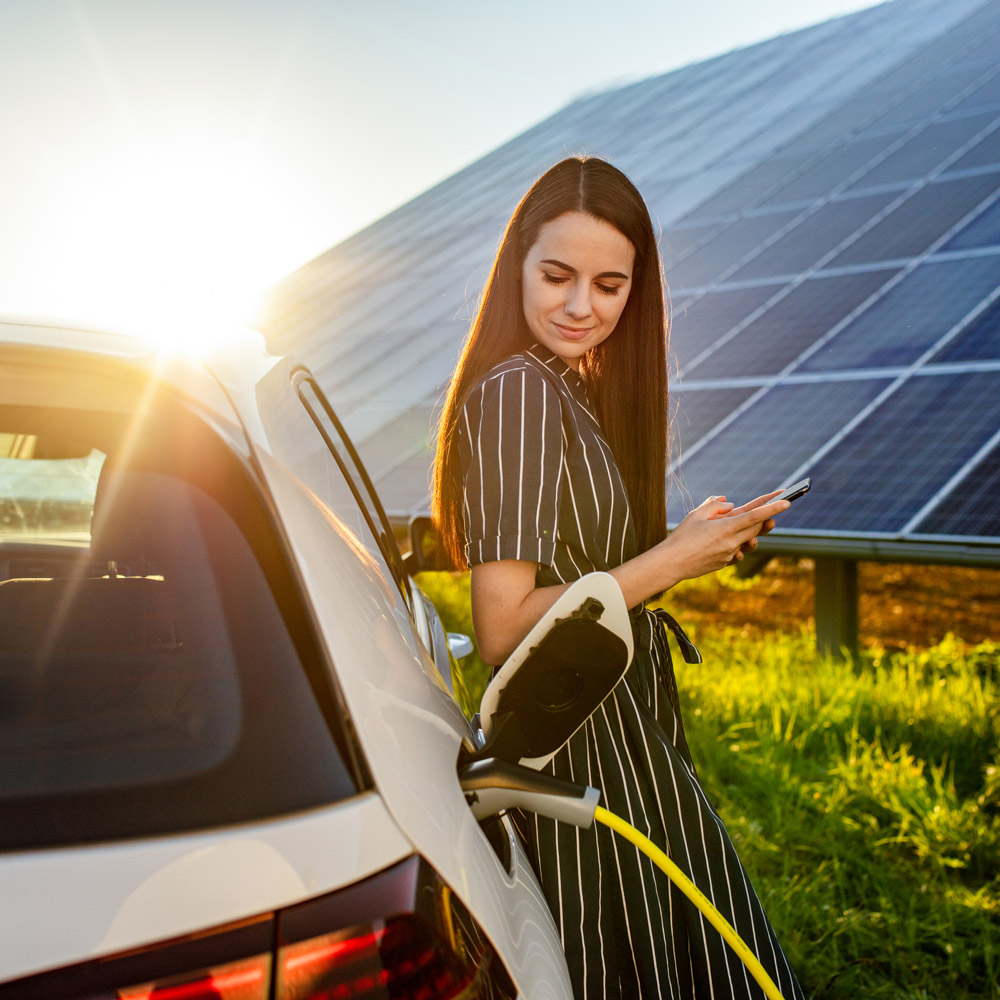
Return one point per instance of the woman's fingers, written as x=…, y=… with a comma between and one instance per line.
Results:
x=760, y=515
x=714, y=507
x=756, y=502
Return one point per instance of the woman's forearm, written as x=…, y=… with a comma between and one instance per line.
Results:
x=506, y=604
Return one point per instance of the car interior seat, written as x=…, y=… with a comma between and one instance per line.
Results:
x=116, y=678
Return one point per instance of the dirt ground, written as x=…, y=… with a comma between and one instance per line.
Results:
x=900, y=604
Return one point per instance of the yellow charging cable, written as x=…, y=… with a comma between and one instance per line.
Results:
x=716, y=919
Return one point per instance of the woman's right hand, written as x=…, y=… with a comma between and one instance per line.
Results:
x=715, y=534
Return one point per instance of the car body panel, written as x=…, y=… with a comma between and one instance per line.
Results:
x=409, y=729
x=115, y=897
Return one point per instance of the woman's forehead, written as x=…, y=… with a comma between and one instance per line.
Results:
x=578, y=238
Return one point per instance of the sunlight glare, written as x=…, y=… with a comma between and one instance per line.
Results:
x=174, y=236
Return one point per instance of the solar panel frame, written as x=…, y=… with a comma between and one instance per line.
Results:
x=987, y=94
x=939, y=93
x=753, y=186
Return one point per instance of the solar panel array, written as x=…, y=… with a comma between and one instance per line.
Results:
x=830, y=202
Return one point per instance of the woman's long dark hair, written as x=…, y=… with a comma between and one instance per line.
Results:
x=628, y=371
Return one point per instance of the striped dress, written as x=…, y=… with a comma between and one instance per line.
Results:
x=541, y=484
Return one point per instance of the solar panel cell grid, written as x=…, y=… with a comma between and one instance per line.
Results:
x=405, y=376
x=833, y=169
x=406, y=489
x=979, y=341
x=408, y=434
x=889, y=467
x=343, y=369
x=984, y=154
x=767, y=443
x=910, y=318
x=972, y=508
x=852, y=116
x=677, y=243
x=725, y=250
x=751, y=186
x=986, y=94
x=920, y=154
x=936, y=95
x=982, y=231
x=696, y=327
x=791, y=325
x=920, y=220
x=693, y=413
x=814, y=237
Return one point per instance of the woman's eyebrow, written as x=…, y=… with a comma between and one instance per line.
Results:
x=603, y=274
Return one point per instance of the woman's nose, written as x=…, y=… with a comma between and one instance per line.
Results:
x=578, y=304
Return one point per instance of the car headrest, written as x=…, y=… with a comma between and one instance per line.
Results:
x=139, y=517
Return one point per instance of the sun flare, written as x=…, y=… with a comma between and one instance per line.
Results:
x=174, y=235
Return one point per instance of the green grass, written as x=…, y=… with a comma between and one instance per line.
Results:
x=863, y=798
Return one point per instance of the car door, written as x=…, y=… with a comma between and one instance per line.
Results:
x=408, y=725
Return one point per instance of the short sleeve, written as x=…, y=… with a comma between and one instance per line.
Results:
x=511, y=446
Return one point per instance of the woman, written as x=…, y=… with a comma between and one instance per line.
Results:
x=551, y=463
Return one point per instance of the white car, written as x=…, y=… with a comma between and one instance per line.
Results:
x=227, y=750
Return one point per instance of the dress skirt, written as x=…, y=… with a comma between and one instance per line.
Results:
x=627, y=930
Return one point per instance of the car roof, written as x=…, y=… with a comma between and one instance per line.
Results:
x=221, y=379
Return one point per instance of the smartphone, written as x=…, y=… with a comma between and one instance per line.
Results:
x=795, y=491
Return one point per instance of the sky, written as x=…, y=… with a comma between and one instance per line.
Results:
x=163, y=161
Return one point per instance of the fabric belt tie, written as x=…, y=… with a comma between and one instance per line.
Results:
x=644, y=620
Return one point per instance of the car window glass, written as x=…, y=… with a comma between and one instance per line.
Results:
x=41, y=496
x=149, y=680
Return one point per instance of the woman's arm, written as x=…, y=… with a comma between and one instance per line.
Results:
x=506, y=603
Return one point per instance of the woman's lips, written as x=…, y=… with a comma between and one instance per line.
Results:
x=571, y=333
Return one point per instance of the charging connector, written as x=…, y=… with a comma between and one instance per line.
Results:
x=493, y=785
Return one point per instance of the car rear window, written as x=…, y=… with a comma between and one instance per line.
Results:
x=156, y=674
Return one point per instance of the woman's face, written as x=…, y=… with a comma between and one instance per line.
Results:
x=575, y=282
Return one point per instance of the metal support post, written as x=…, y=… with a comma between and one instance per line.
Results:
x=836, y=608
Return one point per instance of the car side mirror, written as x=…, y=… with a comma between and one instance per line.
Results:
x=426, y=551
x=559, y=675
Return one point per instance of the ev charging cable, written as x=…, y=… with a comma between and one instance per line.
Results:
x=712, y=915
x=493, y=785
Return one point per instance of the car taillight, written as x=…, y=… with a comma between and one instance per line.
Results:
x=428, y=947
x=249, y=980
x=399, y=935
x=401, y=959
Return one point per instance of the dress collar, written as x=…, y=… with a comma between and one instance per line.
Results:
x=555, y=364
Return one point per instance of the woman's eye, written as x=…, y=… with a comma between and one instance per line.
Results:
x=608, y=289
x=554, y=279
